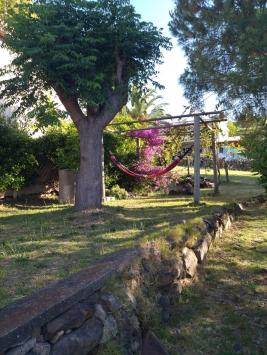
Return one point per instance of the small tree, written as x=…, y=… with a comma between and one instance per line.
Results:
x=88, y=52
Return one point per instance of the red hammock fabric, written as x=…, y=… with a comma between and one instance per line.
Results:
x=153, y=175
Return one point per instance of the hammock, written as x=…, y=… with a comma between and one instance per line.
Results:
x=152, y=175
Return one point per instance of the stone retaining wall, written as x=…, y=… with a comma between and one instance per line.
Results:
x=76, y=315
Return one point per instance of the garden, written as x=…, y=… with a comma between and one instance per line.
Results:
x=81, y=97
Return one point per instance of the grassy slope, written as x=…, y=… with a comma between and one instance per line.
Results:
x=42, y=244
x=225, y=313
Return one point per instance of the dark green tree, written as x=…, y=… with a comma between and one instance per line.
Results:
x=88, y=52
x=225, y=43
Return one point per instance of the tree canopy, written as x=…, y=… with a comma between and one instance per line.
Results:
x=225, y=44
x=86, y=50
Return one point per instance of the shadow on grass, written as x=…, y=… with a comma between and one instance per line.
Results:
x=225, y=311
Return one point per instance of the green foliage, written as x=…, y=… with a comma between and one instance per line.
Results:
x=78, y=48
x=233, y=129
x=45, y=114
x=59, y=146
x=18, y=163
x=145, y=104
x=255, y=144
x=225, y=45
x=118, y=192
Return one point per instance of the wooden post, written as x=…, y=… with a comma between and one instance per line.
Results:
x=226, y=168
x=188, y=166
x=197, y=160
x=215, y=164
x=103, y=172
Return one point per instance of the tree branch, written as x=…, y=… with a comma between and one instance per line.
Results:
x=2, y=35
x=71, y=105
x=116, y=100
x=120, y=67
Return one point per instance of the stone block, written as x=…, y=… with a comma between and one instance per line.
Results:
x=110, y=329
x=81, y=341
x=72, y=319
x=202, y=249
x=100, y=313
x=190, y=262
x=111, y=303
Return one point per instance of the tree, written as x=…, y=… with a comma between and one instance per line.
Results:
x=225, y=44
x=144, y=104
x=254, y=140
x=88, y=52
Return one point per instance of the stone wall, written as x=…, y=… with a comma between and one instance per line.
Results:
x=116, y=298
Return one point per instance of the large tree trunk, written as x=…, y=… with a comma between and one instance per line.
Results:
x=89, y=188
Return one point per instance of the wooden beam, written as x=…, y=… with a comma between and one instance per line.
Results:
x=181, y=124
x=197, y=160
x=167, y=118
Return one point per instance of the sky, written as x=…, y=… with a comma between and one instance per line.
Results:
x=157, y=11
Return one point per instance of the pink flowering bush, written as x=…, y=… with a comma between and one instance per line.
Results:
x=151, y=151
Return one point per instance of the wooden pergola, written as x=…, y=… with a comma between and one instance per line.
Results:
x=192, y=119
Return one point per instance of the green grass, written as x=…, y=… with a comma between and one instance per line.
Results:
x=39, y=244
x=225, y=312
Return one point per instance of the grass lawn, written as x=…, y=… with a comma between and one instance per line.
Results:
x=225, y=312
x=43, y=243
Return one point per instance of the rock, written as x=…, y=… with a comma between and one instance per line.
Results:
x=165, y=304
x=100, y=313
x=219, y=232
x=131, y=298
x=152, y=345
x=227, y=223
x=41, y=349
x=202, y=249
x=57, y=336
x=81, y=341
x=212, y=226
x=130, y=333
x=190, y=262
x=23, y=349
x=71, y=319
x=170, y=271
x=110, y=329
x=111, y=303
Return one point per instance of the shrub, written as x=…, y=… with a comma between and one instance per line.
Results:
x=255, y=144
x=59, y=146
x=118, y=192
x=18, y=162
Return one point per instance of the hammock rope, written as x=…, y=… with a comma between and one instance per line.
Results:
x=168, y=168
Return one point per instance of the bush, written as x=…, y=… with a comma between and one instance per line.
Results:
x=255, y=144
x=118, y=192
x=18, y=163
x=59, y=146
